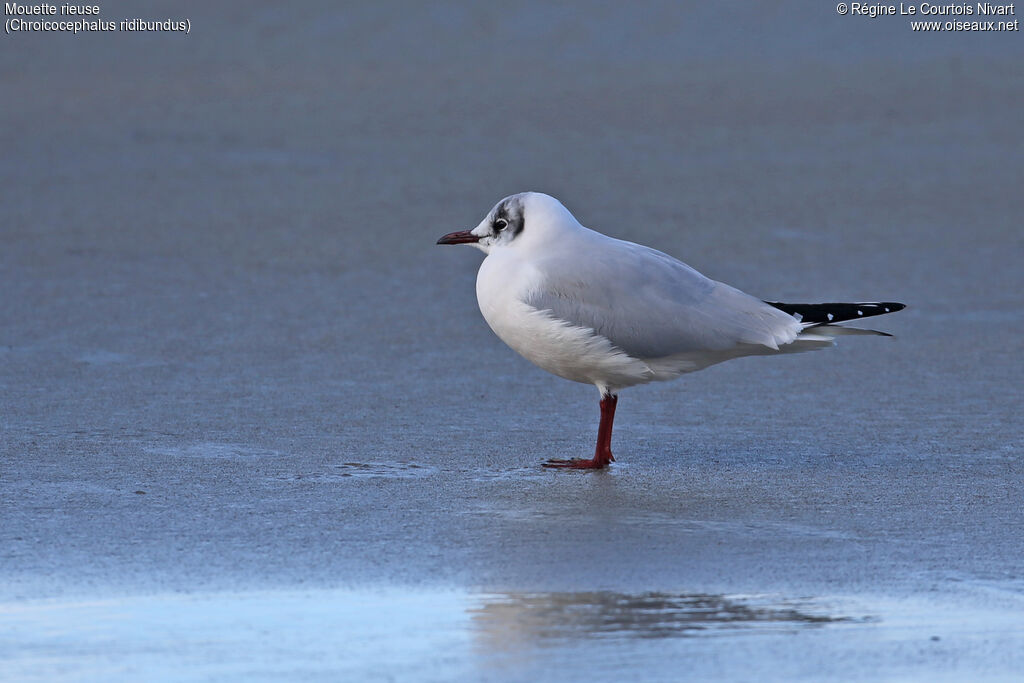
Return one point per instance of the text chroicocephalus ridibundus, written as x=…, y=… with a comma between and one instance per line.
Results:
x=602, y=311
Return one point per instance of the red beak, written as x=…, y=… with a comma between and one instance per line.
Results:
x=460, y=237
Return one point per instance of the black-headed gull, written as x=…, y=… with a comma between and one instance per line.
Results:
x=602, y=311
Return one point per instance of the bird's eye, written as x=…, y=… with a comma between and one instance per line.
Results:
x=500, y=224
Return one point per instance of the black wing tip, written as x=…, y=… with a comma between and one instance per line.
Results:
x=836, y=312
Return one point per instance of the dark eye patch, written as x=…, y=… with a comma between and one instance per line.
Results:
x=508, y=218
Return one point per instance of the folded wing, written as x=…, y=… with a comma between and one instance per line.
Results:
x=651, y=305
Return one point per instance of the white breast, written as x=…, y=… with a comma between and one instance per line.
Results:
x=503, y=283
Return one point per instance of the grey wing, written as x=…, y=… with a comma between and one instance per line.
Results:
x=651, y=305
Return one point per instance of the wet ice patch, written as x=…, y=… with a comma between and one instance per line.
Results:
x=393, y=470
x=588, y=615
x=429, y=633
x=394, y=633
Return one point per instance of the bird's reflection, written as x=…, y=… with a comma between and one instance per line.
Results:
x=508, y=619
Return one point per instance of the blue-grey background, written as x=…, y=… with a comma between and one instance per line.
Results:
x=252, y=424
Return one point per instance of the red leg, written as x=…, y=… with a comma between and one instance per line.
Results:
x=603, y=450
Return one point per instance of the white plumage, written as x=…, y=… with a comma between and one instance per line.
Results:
x=594, y=309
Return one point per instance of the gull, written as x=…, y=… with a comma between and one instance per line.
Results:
x=603, y=311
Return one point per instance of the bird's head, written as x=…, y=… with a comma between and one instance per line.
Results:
x=517, y=221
